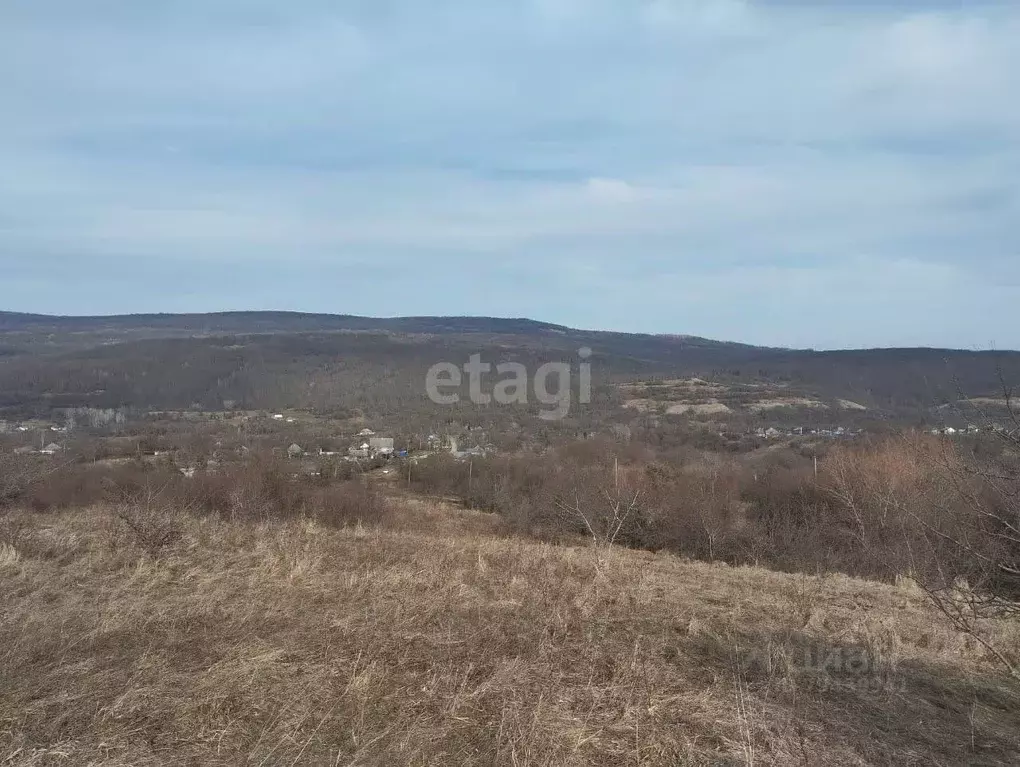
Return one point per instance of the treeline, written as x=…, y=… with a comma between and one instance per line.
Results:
x=899, y=506
x=260, y=489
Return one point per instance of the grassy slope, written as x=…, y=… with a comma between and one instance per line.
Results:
x=435, y=640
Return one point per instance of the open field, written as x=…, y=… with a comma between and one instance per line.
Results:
x=437, y=638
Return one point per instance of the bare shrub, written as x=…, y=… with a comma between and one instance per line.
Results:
x=600, y=508
x=877, y=493
x=155, y=526
x=694, y=510
x=347, y=503
x=16, y=474
x=23, y=477
x=944, y=514
x=972, y=537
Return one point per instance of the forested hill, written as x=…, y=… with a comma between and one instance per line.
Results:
x=268, y=359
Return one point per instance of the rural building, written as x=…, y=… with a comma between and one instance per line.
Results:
x=295, y=451
x=381, y=445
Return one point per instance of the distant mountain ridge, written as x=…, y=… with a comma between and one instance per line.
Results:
x=283, y=321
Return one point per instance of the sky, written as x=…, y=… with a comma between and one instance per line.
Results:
x=780, y=172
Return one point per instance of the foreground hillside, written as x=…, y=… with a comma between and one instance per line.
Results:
x=433, y=638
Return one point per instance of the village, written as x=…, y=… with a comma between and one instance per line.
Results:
x=194, y=442
x=299, y=436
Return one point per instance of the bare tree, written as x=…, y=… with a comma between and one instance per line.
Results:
x=603, y=509
x=973, y=532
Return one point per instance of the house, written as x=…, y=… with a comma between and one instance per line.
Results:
x=295, y=451
x=358, y=452
x=381, y=445
x=278, y=417
x=366, y=433
x=51, y=449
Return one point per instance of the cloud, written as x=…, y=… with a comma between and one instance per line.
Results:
x=611, y=190
x=510, y=156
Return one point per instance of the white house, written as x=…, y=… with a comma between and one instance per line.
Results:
x=381, y=445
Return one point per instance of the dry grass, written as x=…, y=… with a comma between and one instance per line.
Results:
x=847, y=404
x=439, y=641
x=707, y=408
x=772, y=404
x=681, y=396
